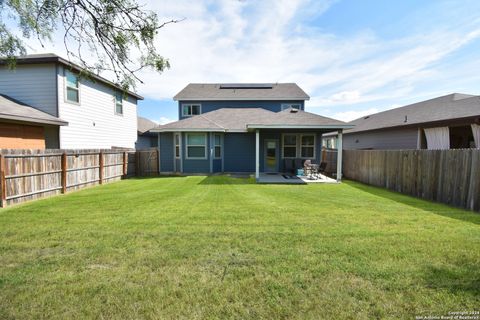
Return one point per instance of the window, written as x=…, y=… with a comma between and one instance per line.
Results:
x=196, y=146
x=118, y=102
x=289, y=146
x=218, y=146
x=177, y=145
x=71, y=85
x=307, y=146
x=290, y=105
x=189, y=110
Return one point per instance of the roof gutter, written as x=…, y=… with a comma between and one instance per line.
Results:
x=242, y=99
x=187, y=130
x=33, y=120
x=294, y=126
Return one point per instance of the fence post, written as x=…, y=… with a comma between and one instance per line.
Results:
x=158, y=161
x=137, y=163
x=3, y=184
x=124, y=165
x=64, y=172
x=100, y=169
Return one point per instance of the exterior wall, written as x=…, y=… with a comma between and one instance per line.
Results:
x=93, y=123
x=239, y=152
x=391, y=139
x=21, y=136
x=146, y=142
x=167, y=156
x=208, y=106
x=31, y=84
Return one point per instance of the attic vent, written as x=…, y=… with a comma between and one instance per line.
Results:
x=246, y=86
x=366, y=117
x=406, y=119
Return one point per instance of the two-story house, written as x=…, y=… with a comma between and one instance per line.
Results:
x=70, y=111
x=259, y=128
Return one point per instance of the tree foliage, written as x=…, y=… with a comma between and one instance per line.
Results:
x=119, y=33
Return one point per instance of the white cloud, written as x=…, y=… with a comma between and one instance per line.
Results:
x=272, y=41
x=165, y=120
x=352, y=115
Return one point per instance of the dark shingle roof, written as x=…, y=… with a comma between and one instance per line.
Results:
x=259, y=91
x=243, y=119
x=12, y=109
x=53, y=58
x=452, y=106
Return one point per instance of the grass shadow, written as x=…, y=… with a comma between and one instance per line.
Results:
x=426, y=205
x=463, y=277
x=227, y=179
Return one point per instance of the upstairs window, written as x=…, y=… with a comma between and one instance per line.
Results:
x=290, y=105
x=118, y=102
x=189, y=110
x=218, y=146
x=71, y=87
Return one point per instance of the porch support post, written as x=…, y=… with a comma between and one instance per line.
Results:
x=257, y=154
x=339, y=154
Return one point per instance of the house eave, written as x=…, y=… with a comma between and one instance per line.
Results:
x=188, y=130
x=286, y=126
x=243, y=99
x=33, y=120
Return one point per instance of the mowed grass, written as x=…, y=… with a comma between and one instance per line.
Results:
x=226, y=248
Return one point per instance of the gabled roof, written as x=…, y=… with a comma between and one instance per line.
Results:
x=245, y=119
x=241, y=91
x=144, y=124
x=53, y=58
x=452, y=106
x=12, y=109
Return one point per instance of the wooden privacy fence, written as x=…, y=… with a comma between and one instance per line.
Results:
x=330, y=157
x=31, y=174
x=147, y=162
x=447, y=176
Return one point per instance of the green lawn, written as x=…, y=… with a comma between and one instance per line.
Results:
x=225, y=248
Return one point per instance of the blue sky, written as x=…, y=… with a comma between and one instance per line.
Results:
x=352, y=57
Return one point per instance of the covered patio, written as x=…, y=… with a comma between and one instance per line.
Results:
x=282, y=178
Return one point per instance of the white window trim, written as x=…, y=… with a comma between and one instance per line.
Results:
x=196, y=145
x=175, y=135
x=289, y=145
x=115, y=103
x=217, y=145
x=191, y=104
x=308, y=146
x=65, y=84
x=285, y=106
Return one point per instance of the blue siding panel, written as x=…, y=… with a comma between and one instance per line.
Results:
x=208, y=106
x=166, y=152
x=239, y=153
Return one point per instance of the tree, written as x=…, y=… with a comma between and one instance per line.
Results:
x=119, y=33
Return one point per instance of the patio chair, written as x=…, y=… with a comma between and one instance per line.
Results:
x=307, y=168
x=322, y=167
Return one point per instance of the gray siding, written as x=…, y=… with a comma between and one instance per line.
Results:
x=31, y=84
x=390, y=139
x=146, y=142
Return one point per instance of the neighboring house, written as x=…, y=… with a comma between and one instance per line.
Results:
x=242, y=128
x=99, y=113
x=447, y=122
x=145, y=138
x=22, y=126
